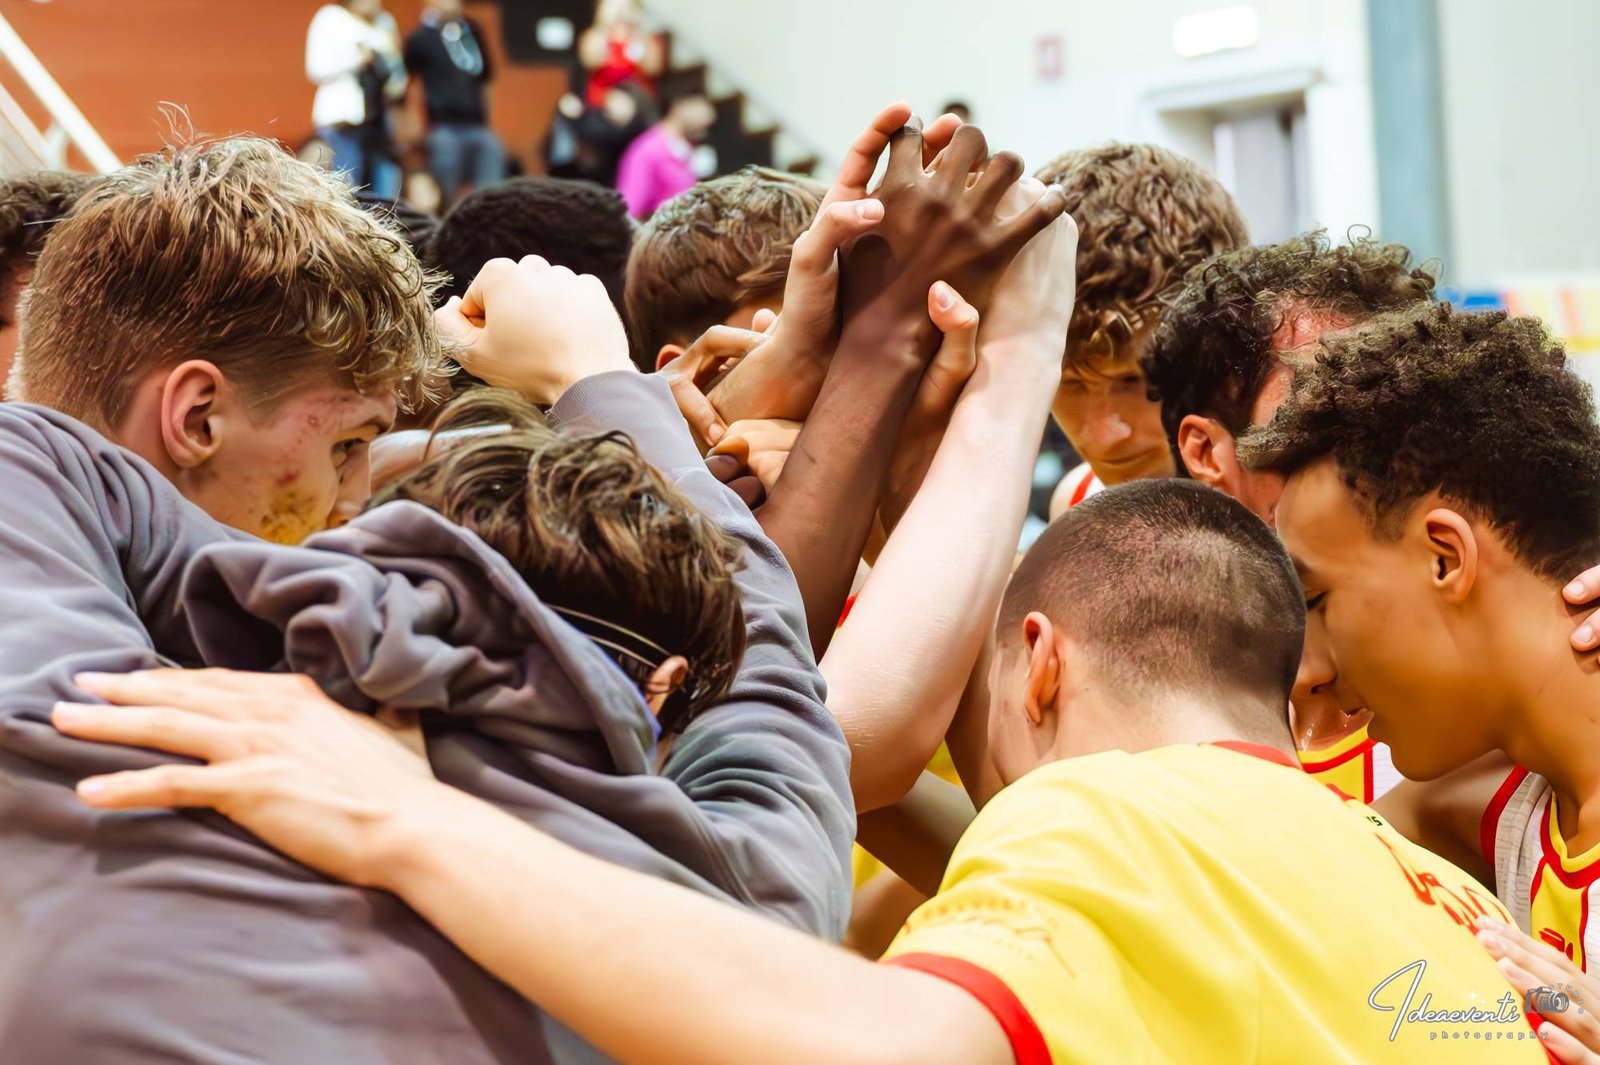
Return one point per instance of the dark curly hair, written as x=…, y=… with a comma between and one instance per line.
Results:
x=597, y=534
x=1480, y=407
x=29, y=206
x=1213, y=350
x=575, y=224
x=1145, y=216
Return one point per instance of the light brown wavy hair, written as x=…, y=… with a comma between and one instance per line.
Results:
x=229, y=250
x=723, y=243
x=592, y=527
x=1145, y=216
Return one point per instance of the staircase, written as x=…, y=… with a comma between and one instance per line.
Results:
x=741, y=136
x=25, y=146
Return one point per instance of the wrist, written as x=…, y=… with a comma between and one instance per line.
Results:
x=405, y=851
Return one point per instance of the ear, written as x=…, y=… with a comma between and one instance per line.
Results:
x=1206, y=449
x=1044, y=667
x=667, y=678
x=667, y=353
x=191, y=428
x=1453, y=553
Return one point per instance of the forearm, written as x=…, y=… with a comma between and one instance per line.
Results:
x=916, y=835
x=644, y=970
x=820, y=511
x=968, y=736
x=892, y=685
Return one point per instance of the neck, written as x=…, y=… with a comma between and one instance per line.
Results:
x=1552, y=695
x=1097, y=722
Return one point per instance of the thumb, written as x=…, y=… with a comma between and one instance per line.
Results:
x=958, y=321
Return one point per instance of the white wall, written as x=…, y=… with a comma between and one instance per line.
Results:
x=1521, y=83
x=824, y=66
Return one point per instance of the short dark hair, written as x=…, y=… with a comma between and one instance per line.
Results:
x=1213, y=350
x=575, y=224
x=1170, y=586
x=703, y=253
x=1480, y=407
x=593, y=528
x=1145, y=216
x=29, y=208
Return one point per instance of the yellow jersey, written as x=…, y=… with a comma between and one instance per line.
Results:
x=1198, y=904
x=1547, y=890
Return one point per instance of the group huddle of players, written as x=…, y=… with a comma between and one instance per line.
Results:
x=1273, y=746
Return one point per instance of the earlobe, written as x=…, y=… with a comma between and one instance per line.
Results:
x=1044, y=667
x=1453, y=553
x=191, y=423
x=1206, y=449
x=667, y=353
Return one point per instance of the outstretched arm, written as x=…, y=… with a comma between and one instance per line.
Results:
x=646, y=971
x=936, y=227
x=892, y=685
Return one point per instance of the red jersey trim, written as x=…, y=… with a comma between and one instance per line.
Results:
x=1489, y=827
x=1258, y=750
x=1362, y=748
x=1027, y=1042
x=1080, y=493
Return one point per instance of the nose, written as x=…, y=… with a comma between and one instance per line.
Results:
x=1105, y=426
x=355, y=489
x=1322, y=711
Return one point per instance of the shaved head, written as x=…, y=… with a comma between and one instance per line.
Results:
x=1170, y=588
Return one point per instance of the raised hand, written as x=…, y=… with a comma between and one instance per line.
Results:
x=941, y=223
x=534, y=328
x=783, y=380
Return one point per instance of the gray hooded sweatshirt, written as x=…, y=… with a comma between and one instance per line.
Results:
x=175, y=937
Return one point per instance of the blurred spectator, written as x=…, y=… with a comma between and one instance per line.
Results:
x=601, y=134
x=616, y=51
x=656, y=167
x=353, y=58
x=29, y=209
x=446, y=54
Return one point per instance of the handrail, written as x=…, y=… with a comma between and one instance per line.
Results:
x=63, y=112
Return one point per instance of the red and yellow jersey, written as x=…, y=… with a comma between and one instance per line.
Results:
x=1357, y=765
x=1547, y=890
x=1201, y=904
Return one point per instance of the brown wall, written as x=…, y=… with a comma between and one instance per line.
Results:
x=233, y=65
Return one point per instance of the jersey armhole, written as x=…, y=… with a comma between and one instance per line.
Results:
x=1027, y=1042
x=1489, y=827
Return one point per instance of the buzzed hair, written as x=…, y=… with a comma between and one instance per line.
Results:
x=1170, y=587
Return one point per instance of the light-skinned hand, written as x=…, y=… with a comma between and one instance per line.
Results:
x=534, y=328
x=322, y=784
x=1572, y=1034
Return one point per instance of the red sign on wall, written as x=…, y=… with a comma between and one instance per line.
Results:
x=1047, y=50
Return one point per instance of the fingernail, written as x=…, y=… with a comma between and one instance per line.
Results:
x=944, y=295
x=869, y=209
x=69, y=713
x=1584, y=634
x=93, y=788
x=85, y=680
x=1575, y=590
x=715, y=433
